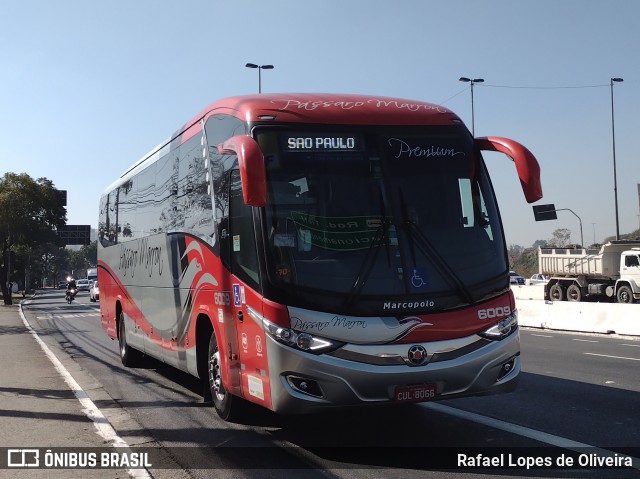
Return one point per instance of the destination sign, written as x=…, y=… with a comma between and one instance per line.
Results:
x=320, y=142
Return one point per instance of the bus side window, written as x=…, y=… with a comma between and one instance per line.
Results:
x=220, y=127
x=241, y=235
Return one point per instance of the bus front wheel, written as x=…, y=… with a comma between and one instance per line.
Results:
x=130, y=357
x=226, y=404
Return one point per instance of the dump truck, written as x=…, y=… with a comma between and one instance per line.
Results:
x=611, y=272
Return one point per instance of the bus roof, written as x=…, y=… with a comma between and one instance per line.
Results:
x=321, y=108
x=329, y=108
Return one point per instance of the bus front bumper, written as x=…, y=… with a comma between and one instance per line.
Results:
x=351, y=376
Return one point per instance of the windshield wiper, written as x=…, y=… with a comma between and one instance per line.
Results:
x=382, y=234
x=430, y=251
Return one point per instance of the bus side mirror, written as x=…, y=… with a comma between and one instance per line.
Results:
x=252, y=171
x=526, y=164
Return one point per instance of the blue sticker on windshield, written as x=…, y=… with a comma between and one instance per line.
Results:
x=418, y=277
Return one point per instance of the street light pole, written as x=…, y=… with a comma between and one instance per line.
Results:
x=547, y=212
x=574, y=214
x=472, y=81
x=260, y=68
x=615, y=175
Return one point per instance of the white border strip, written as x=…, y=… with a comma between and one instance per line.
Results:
x=613, y=357
x=104, y=429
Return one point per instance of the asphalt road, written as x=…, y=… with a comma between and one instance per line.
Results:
x=576, y=391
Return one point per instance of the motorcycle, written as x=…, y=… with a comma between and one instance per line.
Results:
x=71, y=293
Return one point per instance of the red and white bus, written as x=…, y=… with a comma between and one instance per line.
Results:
x=307, y=251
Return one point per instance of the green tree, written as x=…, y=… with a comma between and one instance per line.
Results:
x=523, y=261
x=634, y=235
x=90, y=252
x=83, y=259
x=528, y=262
x=30, y=212
x=514, y=252
x=561, y=238
x=50, y=264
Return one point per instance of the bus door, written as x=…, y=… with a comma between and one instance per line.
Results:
x=245, y=286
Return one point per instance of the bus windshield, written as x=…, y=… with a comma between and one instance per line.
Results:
x=393, y=215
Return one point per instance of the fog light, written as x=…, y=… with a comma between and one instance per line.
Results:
x=305, y=385
x=506, y=368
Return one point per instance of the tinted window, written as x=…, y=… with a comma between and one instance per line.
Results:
x=244, y=256
x=380, y=211
x=171, y=194
x=219, y=128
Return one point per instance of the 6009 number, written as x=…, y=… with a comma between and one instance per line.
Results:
x=490, y=313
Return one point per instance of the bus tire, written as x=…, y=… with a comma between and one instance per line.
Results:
x=556, y=293
x=574, y=293
x=624, y=295
x=227, y=405
x=129, y=356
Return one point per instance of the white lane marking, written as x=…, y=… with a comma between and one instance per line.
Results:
x=540, y=436
x=632, y=345
x=542, y=335
x=614, y=357
x=585, y=340
x=103, y=426
x=68, y=315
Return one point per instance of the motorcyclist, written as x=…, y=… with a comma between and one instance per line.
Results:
x=71, y=287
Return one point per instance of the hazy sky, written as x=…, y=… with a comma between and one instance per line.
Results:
x=89, y=87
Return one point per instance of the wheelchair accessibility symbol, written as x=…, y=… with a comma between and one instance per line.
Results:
x=418, y=278
x=237, y=297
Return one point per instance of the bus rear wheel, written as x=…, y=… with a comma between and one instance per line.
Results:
x=227, y=405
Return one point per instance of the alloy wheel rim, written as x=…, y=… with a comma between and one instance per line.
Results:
x=214, y=376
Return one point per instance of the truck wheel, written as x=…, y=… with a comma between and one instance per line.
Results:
x=227, y=405
x=574, y=293
x=624, y=295
x=556, y=293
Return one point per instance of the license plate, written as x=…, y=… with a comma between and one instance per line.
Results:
x=414, y=393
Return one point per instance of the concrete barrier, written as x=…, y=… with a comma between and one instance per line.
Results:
x=534, y=291
x=605, y=318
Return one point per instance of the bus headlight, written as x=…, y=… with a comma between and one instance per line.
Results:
x=502, y=328
x=302, y=341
